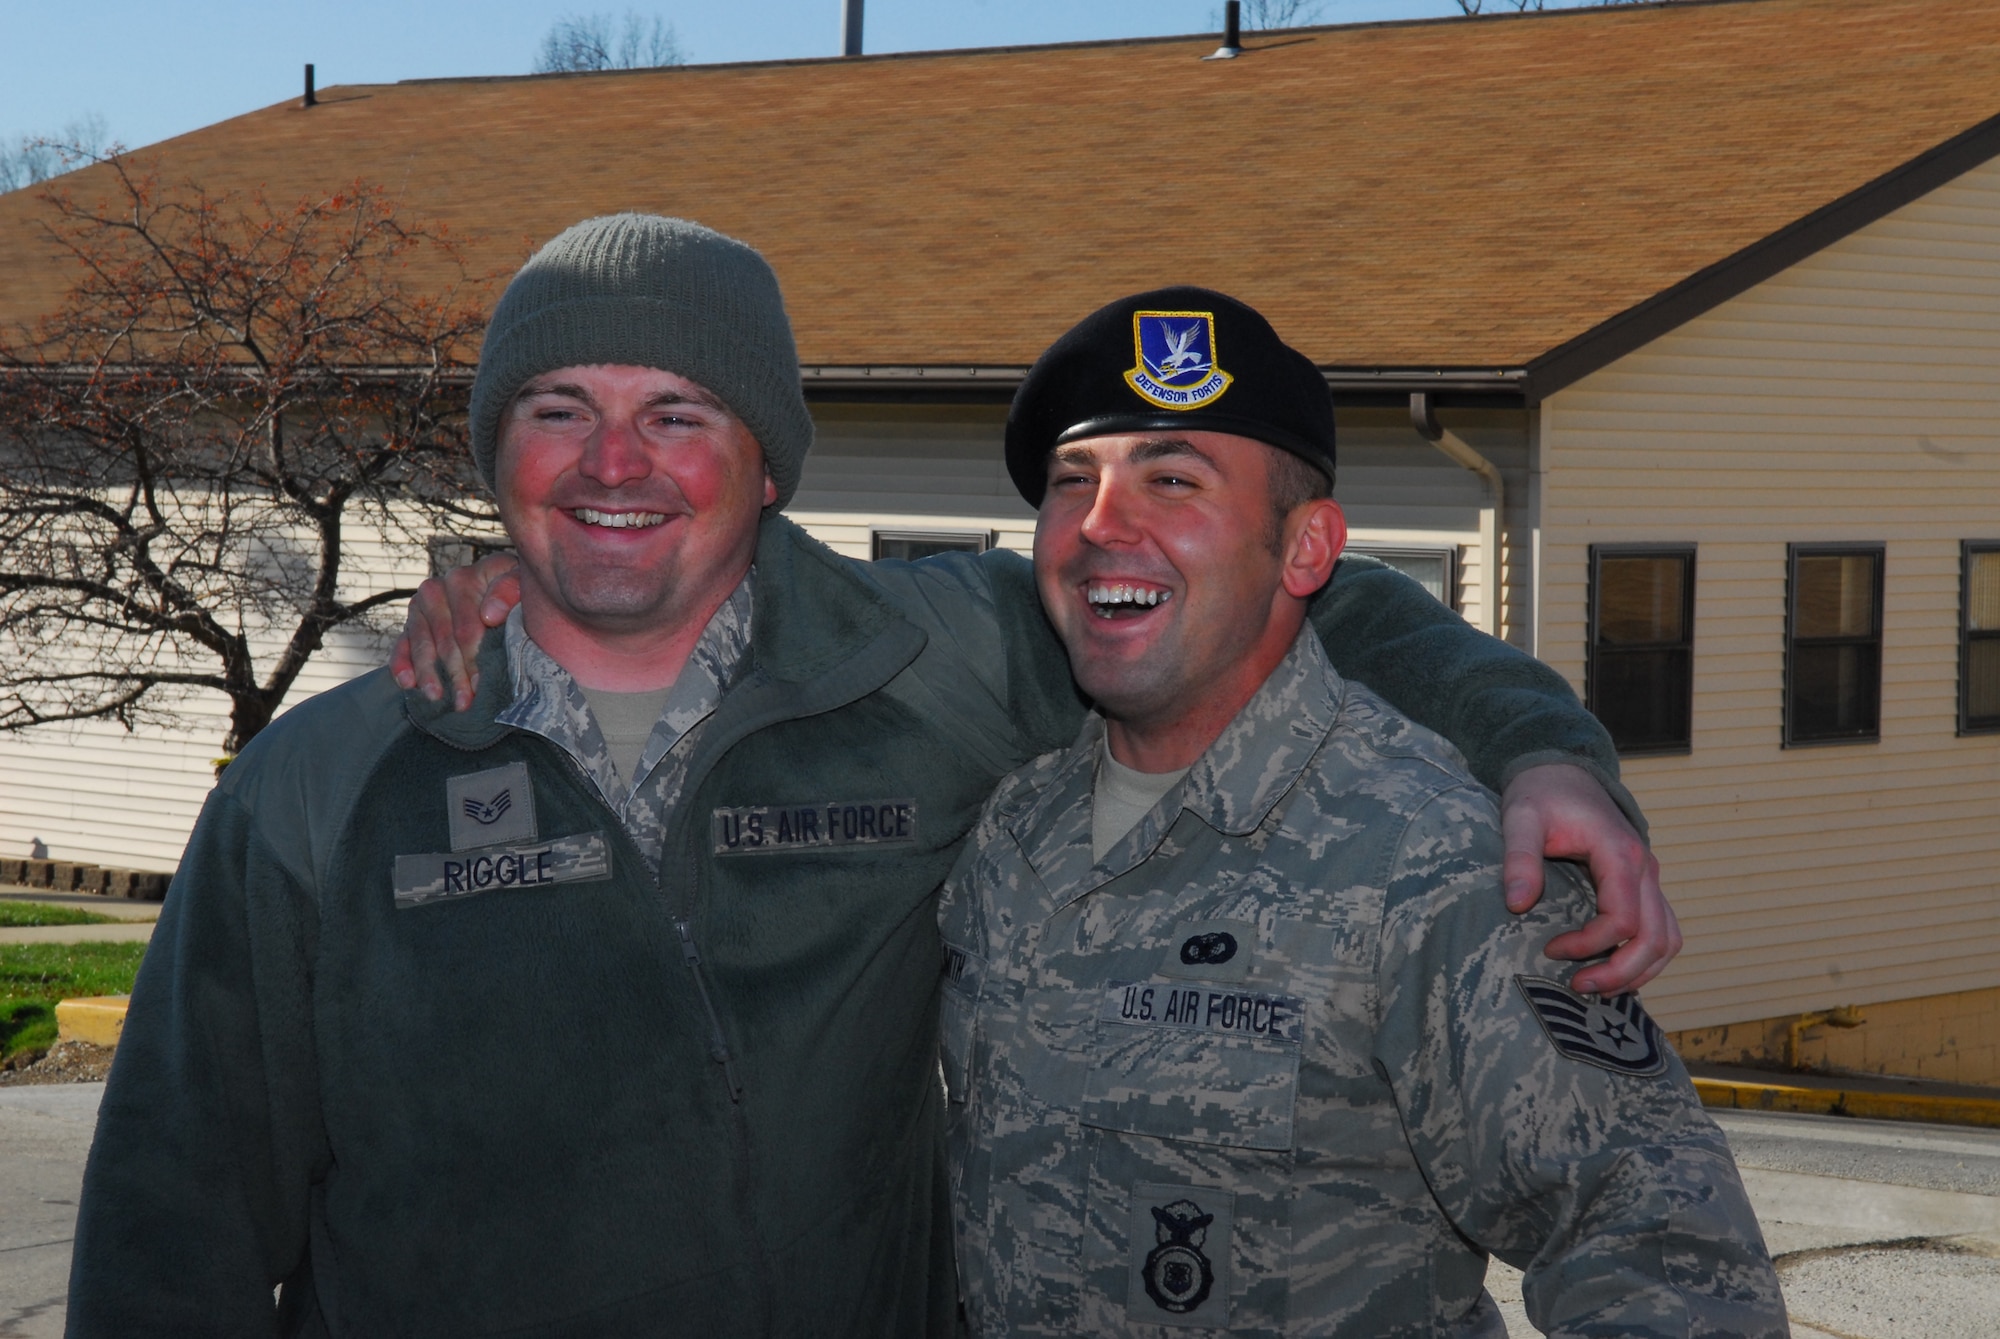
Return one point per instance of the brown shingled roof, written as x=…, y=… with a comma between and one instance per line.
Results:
x=1471, y=193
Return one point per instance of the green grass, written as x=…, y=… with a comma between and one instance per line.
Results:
x=33, y=977
x=40, y=913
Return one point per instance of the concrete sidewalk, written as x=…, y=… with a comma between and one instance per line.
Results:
x=128, y=932
x=134, y=919
x=116, y=907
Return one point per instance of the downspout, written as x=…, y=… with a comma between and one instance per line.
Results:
x=1424, y=419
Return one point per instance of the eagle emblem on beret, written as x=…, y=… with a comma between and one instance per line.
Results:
x=1175, y=359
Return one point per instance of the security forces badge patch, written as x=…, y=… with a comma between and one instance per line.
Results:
x=1614, y=1034
x=1176, y=367
x=1180, y=1256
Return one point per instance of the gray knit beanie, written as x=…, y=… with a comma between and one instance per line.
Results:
x=646, y=291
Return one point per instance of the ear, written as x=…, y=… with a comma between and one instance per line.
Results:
x=770, y=489
x=1315, y=533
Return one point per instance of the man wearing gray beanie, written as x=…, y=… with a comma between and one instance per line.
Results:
x=607, y=1005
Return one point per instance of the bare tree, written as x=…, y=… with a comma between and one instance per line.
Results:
x=1263, y=15
x=35, y=158
x=191, y=440
x=596, y=42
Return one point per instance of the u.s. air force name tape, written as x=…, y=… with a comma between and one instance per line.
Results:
x=1614, y=1034
x=770, y=829
x=1231, y=1013
x=441, y=878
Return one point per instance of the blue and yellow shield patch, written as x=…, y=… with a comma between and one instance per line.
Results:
x=1176, y=367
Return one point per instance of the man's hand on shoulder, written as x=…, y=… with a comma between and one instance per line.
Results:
x=1559, y=811
x=449, y=617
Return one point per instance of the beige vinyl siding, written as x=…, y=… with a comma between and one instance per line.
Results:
x=94, y=792
x=1854, y=397
x=1393, y=482
x=929, y=467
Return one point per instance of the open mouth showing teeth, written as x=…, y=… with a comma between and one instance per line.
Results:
x=618, y=520
x=1119, y=600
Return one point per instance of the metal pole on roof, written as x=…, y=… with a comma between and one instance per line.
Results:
x=1232, y=33
x=850, y=27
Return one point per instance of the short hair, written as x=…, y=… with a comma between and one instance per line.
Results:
x=1294, y=480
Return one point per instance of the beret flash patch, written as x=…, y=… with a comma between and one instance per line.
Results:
x=1613, y=1034
x=1176, y=366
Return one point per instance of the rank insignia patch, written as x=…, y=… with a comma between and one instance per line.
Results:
x=490, y=808
x=1180, y=1256
x=1613, y=1034
x=1176, y=359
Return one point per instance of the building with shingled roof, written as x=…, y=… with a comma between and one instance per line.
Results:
x=1664, y=342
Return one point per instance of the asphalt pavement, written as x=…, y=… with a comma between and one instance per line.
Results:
x=44, y=1135
x=1881, y=1230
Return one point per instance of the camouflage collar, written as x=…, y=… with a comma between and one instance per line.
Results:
x=1260, y=755
x=547, y=701
x=1256, y=760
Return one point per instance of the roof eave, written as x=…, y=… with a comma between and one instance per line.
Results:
x=1706, y=289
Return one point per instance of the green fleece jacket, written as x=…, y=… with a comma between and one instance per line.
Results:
x=543, y=1110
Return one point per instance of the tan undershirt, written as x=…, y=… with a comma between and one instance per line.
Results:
x=1122, y=796
x=626, y=721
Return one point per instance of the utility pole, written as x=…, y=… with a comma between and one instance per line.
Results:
x=850, y=27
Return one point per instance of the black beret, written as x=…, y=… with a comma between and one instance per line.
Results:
x=1179, y=358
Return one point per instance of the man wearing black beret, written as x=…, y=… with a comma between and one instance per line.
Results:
x=751, y=762
x=1237, y=1034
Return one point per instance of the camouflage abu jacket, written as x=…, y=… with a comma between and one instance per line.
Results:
x=1283, y=1064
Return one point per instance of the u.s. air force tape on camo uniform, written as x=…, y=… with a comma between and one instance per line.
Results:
x=1284, y=1064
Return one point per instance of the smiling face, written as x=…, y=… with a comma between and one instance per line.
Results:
x=1155, y=559
x=632, y=496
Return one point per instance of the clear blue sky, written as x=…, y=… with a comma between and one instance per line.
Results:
x=157, y=68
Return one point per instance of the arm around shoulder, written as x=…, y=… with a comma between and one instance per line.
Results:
x=1558, y=1130
x=1502, y=708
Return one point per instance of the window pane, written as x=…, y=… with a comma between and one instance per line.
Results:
x=1982, y=682
x=1835, y=690
x=1642, y=696
x=909, y=548
x=1834, y=595
x=1428, y=570
x=1982, y=592
x=1640, y=599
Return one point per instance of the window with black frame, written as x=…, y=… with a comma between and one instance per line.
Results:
x=1979, y=637
x=1833, y=644
x=910, y=545
x=1640, y=676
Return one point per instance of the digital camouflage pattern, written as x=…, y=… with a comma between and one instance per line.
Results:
x=547, y=702
x=1268, y=1067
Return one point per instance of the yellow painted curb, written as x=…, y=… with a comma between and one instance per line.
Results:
x=1941, y=1110
x=98, y=1021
